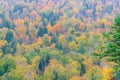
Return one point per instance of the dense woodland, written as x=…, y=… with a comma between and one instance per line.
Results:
x=59, y=39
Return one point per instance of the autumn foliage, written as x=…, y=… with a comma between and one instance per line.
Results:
x=56, y=39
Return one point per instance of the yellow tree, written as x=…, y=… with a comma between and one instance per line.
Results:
x=72, y=45
x=20, y=27
x=2, y=42
x=35, y=63
x=107, y=73
x=52, y=69
x=72, y=69
x=75, y=78
x=49, y=28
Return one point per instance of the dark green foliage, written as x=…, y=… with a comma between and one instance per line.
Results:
x=55, y=75
x=69, y=38
x=113, y=46
x=31, y=55
x=82, y=48
x=12, y=26
x=44, y=61
x=49, y=16
x=11, y=46
x=117, y=21
x=7, y=64
x=54, y=39
x=83, y=70
x=42, y=31
x=5, y=24
x=46, y=41
x=6, y=49
x=59, y=46
x=18, y=8
x=9, y=36
x=9, y=49
x=117, y=76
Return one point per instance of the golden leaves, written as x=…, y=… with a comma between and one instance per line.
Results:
x=72, y=45
x=0, y=54
x=82, y=37
x=49, y=28
x=2, y=43
x=34, y=45
x=101, y=21
x=19, y=22
x=53, y=29
x=107, y=73
x=75, y=78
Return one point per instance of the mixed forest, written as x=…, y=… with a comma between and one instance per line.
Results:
x=59, y=39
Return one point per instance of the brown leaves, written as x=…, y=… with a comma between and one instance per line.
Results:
x=82, y=26
x=57, y=27
x=19, y=22
x=53, y=29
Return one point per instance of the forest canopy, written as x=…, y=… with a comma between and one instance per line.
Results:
x=59, y=39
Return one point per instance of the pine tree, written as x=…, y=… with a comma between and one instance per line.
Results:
x=113, y=46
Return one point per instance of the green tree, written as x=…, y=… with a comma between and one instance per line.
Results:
x=11, y=46
x=9, y=36
x=7, y=64
x=14, y=76
x=42, y=31
x=113, y=46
